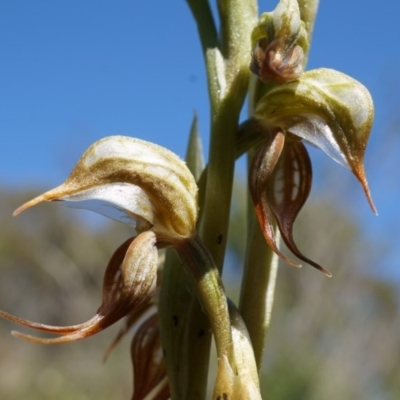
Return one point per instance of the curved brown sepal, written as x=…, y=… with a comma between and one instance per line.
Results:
x=287, y=190
x=261, y=170
x=129, y=282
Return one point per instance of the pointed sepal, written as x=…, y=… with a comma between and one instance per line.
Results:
x=129, y=283
x=261, y=170
x=287, y=190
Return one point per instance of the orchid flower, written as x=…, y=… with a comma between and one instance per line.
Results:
x=138, y=183
x=150, y=188
x=322, y=107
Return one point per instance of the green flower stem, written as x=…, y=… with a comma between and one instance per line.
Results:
x=207, y=284
x=228, y=74
x=217, y=198
x=257, y=290
x=205, y=23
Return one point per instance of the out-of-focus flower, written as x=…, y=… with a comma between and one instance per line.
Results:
x=325, y=108
x=135, y=182
x=150, y=374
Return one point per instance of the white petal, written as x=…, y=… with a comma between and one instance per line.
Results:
x=316, y=131
x=122, y=202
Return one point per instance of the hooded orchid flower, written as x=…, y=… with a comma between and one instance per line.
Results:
x=150, y=188
x=324, y=108
x=138, y=183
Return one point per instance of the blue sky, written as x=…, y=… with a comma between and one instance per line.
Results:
x=72, y=72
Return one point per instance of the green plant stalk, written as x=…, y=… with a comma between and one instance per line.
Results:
x=228, y=74
x=184, y=331
x=258, y=288
x=199, y=265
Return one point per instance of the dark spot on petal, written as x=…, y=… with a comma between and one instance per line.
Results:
x=219, y=239
x=225, y=396
x=175, y=318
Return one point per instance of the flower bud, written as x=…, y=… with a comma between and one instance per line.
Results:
x=279, y=43
x=132, y=181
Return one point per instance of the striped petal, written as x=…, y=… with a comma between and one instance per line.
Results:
x=129, y=282
x=132, y=181
x=287, y=190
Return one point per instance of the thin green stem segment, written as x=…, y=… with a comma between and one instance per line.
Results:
x=258, y=286
x=228, y=74
x=202, y=13
x=199, y=265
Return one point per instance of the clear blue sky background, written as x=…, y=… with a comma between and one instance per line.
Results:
x=74, y=71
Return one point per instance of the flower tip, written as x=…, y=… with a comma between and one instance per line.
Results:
x=37, y=340
x=322, y=269
x=29, y=204
x=327, y=273
x=369, y=198
x=28, y=338
x=360, y=175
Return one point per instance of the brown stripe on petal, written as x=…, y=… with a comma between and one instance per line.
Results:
x=261, y=170
x=287, y=191
x=129, y=282
x=150, y=375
